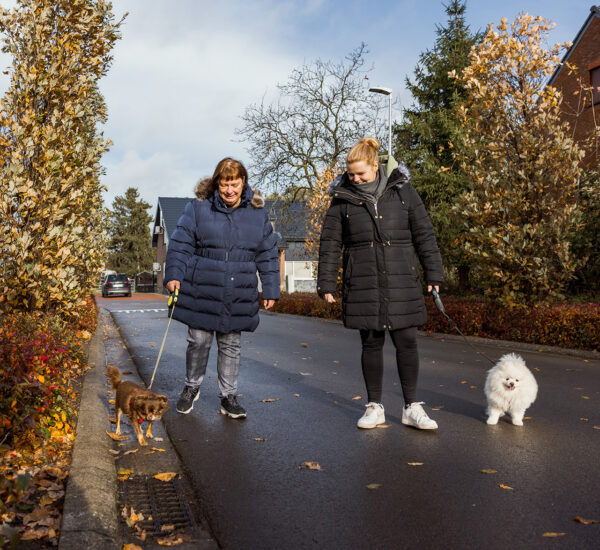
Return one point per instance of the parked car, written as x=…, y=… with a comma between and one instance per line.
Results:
x=116, y=284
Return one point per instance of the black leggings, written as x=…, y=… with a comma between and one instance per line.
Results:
x=407, y=361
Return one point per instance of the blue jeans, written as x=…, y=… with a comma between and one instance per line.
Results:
x=228, y=362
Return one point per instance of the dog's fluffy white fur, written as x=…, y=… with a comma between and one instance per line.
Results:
x=509, y=388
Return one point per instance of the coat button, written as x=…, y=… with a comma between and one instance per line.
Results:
x=232, y=278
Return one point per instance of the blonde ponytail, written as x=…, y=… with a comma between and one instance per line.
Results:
x=366, y=149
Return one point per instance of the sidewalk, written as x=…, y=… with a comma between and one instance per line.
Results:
x=108, y=477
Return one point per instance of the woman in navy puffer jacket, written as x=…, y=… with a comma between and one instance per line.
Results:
x=221, y=240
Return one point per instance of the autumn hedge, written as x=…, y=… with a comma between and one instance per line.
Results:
x=568, y=325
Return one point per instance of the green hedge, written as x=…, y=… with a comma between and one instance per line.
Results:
x=568, y=325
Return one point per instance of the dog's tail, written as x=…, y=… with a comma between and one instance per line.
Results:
x=114, y=375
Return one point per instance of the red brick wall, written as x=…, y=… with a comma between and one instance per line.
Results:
x=577, y=108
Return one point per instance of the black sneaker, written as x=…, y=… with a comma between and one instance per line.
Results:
x=187, y=398
x=231, y=407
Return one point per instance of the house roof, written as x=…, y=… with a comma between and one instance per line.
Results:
x=289, y=219
x=594, y=12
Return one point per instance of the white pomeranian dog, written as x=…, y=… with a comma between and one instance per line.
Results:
x=510, y=388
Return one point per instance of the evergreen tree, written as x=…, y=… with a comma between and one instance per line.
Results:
x=426, y=137
x=130, y=249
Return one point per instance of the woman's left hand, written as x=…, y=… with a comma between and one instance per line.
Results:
x=437, y=288
x=268, y=303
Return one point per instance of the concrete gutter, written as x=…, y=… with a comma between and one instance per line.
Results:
x=90, y=517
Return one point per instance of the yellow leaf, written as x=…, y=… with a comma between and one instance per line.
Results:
x=488, y=471
x=165, y=476
x=507, y=487
x=296, y=395
x=304, y=345
x=415, y=463
x=270, y=400
x=258, y=438
x=132, y=546
x=124, y=472
x=306, y=373
x=312, y=466
x=373, y=485
x=356, y=397
x=383, y=426
x=173, y=540
x=41, y=378
x=549, y=534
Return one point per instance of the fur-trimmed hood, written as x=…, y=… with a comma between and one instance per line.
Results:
x=205, y=188
x=399, y=176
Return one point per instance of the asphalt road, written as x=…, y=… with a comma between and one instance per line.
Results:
x=393, y=487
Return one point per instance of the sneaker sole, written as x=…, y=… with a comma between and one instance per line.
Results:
x=232, y=415
x=418, y=427
x=190, y=409
x=369, y=427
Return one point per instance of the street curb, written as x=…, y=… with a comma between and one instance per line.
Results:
x=90, y=517
x=475, y=340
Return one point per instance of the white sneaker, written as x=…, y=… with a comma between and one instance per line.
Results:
x=374, y=415
x=415, y=416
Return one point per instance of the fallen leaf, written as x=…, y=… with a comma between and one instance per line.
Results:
x=112, y=451
x=115, y=436
x=438, y=408
x=584, y=397
x=173, y=540
x=383, y=426
x=296, y=395
x=415, y=463
x=488, y=471
x=111, y=400
x=312, y=466
x=584, y=419
x=159, y=439
x=548, y=534
x=335, y=361
x=167, y=527
x=306, y=373
x=112, y=420
x=579, y=388
x=124, y=472
x=159, y=450
x=507, y=487
x=356, y=397
x=270, y=400
x=304, y=345
x=472, y=387
x=596, y=427
x=122, y=478
x=527, y=418
x=258, y=438
x=464, y=382
x=335, y=402
x=165, y=476
x=132, y=546
x=131, y=451
x=333, y=372
x=373, y=485
x=579, y=519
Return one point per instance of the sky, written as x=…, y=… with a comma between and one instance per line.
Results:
x=185, y=70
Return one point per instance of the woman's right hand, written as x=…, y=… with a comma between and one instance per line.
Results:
x=172, y=285
x=329, y=298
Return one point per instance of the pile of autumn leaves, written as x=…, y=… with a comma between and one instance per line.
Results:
x=41, y=357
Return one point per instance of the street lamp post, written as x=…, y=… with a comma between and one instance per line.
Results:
x=387, y=92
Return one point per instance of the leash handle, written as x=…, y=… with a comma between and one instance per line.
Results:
x=438, y=301
x=171, y=303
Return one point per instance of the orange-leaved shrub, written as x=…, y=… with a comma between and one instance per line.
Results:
x=40, y=356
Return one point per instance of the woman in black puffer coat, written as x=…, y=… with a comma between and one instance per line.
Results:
x=380, y=227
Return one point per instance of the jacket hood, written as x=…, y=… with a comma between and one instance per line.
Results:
x=398, y=177
x=205, y=188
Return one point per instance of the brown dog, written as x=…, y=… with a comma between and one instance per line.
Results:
x=137, y=403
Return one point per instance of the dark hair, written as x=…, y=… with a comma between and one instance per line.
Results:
x=229, y=169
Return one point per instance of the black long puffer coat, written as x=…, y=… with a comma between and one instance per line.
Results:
x=379, y=243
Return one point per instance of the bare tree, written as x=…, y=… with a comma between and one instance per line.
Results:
x=322, y=110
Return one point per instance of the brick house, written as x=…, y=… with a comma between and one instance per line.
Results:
x=289, y=221
x=582, y=109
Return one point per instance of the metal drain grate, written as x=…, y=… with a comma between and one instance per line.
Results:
x=161, y=503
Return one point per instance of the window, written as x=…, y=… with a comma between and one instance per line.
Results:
x=595, y=82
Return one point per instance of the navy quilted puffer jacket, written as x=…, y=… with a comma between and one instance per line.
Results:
x=215, y=253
